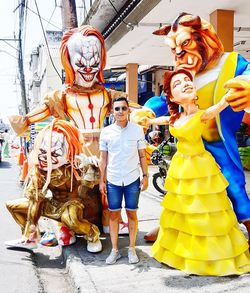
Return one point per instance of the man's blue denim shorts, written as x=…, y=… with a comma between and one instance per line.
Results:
x=131, y=194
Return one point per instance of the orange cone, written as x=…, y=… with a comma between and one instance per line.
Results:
x=24, y=172
x=21, y=157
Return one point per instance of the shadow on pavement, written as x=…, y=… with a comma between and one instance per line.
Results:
x=20, y=249
x=184, y=282
x=44, y=260
x=44, y=257
x=5, y=165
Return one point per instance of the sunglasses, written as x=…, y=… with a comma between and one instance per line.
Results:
x=123, y=108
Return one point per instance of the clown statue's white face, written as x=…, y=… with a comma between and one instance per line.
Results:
x=59, y=149
x=85, y=58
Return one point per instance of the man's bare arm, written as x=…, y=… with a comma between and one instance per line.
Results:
x=144, y=167
x=103, y=167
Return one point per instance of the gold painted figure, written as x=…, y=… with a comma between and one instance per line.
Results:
x=58, y=166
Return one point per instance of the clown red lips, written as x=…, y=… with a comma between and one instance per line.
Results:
x=85, y=52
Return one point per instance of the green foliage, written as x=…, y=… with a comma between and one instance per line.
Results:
x=245, y=156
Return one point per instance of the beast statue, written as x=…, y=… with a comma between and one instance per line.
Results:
x=84, y=101
x=58, y=166
x=197, y=48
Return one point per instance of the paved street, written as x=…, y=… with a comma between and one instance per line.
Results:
x=89, y=273
x=22, y=271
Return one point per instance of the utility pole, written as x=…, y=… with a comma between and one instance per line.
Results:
x=20, y=57
x=69, y=16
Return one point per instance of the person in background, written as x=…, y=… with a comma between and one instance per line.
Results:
x=122, y=148
x=6, y=150
x=154, y=137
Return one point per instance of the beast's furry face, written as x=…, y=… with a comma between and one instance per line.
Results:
x=193, y=41
x=187, y=48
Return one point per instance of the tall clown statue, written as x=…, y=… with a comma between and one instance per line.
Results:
x=84, y=100
x=197, y=48
x=58, y=166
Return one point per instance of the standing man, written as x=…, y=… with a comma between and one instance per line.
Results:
x=122, y=148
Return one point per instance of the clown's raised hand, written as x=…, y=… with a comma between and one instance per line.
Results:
x=83, y=161
x=238, y=95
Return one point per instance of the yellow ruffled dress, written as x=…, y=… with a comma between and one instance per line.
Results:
x=199, y=233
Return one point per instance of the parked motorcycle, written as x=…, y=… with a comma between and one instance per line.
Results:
x=162, y=158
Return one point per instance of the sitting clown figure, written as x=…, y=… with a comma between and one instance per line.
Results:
x=197, y=48
x=59, y=166
x=84, y=100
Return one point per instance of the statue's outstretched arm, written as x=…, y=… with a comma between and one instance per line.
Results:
x=20, y=124
x=52, y=106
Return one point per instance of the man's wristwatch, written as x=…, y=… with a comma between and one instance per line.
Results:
x=145, y=175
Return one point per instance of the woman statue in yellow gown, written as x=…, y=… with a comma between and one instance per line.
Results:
x=199, y=233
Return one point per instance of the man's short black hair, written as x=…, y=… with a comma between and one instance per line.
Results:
x=119, y=99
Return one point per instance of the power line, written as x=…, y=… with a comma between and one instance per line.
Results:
x=10, y=45
x=48, y=21
x=46, y=41
x=9, y=39
x=6, y=52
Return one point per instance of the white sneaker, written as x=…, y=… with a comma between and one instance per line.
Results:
x=94, y=246
x=105, y=229
x=123, y=229
x=21, y=243
x=113, y=257
x=132, y=256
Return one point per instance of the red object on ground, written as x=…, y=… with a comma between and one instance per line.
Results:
x=65, y=236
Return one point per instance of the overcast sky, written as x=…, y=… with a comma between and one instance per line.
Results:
x=9, y=86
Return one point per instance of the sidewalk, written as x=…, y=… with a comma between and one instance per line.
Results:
x=89, y=272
